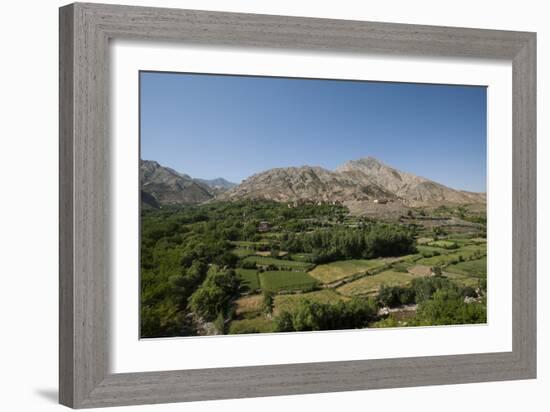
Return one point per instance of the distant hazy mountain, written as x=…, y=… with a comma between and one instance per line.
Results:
x=218, y=183
x=365, y=179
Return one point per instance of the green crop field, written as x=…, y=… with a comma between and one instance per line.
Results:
x=301, y=257
x=278, y=263
x=242, y=252
x=467, y=252
x=444, y=244
x=280, y=280
x=476, y=268
x=248, y=244
x=290, y=302
x=334, y=271
x=371, y=284
x=463, y=280
x=424, y=240
x=259, y=324
x=249, y=278
x=430, y=250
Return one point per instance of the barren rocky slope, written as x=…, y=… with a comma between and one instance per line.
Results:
x=365, y=179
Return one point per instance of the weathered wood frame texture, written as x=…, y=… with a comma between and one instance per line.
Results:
x=85, y=31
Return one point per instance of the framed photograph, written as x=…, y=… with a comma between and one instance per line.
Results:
x=256, y=205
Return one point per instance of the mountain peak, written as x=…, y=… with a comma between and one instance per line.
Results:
x=368, y=161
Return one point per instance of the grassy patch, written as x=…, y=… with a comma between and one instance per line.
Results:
x=249, y=304
x=476, y=268
x=259, y=324
x=301, y=257
x=428, y=251
x=463, y=279
x=444, y=244
x=371, y=284
x=424, y=240
x=334, y=271
x=467, y=252
x=278, y=263
x=249, y=278
x=290, y=302
x=268, y=253
x=248, y=244
x=286, y=281
x=242, y=252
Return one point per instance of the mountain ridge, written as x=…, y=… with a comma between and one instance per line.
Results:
x=362, y=180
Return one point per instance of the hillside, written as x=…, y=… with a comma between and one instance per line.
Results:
x=304, y=183
x=413, y=190
x=162, y=185
x=365, y=179
x=357, y=182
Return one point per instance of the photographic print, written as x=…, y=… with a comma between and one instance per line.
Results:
x=271, y=204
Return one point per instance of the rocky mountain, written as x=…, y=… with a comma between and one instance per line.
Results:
x=162, y=185
x=366, y=179
x=310, y=183
x=414, y=190
x=219, y=183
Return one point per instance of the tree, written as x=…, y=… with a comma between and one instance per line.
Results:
x=274, y=252
x=309, y=315
x=268, y=302
x=214, y=296
x=447, y=307
x=227, y=259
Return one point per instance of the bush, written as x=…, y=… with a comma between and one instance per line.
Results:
x=425, y=287
x=447, y=307
x=469, y=292
x=247, y=264
x=395, y=296
x=356, y=313
x=214, y=296
x=268, y=302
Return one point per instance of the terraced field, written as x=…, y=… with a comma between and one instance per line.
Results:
x=466, y=252
x=278, y=263
x=464, y=280
x=334, y=271
x=249, y=278
x=255, y=325
x=301, y=257
x=476, y=268
x=290, y=302
x=445, y=244
x=280, y=280
x=248, y=305
x=370, y=284
x=242, y=252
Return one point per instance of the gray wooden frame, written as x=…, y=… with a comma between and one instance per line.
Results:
x=85, y=31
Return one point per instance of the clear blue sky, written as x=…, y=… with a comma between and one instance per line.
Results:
x=234, y=126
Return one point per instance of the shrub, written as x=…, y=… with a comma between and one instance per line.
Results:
x=447, y=307
x=356, y=313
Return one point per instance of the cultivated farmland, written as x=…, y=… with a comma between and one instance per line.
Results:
x=309, y=267
x=332, y=272
x=280, y=280
x=369, y=285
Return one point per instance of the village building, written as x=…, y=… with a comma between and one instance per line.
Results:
x=264, y=226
